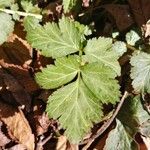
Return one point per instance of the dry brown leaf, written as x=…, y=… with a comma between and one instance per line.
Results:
x=62, y=143
x=3, y=138
x=18, y=147
x=19, y=93
x=17, y=125
x=140, y=10
x=22, y=75
x=121, y=14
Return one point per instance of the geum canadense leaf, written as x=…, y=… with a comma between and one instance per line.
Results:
x=140, y=72
x=77, y=109
x=6, y=27
x=53, y=40
x=100, y=79
x=78, y=104
x=100, y=50
x=64, y=70
x=121, y=139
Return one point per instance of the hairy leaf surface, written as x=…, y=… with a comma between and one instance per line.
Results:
x=64, y=70
x=77, y=109
x=101, y=80
x=140, y=72
x=100, y=50
x=121, y=139
x=54, y=40
x=6, y=27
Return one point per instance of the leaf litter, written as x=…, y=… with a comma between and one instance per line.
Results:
x=18, y=89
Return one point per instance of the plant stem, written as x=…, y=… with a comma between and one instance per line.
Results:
x=131, y=47
x=8, y=11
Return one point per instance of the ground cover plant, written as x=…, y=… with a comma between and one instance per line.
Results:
x=75, y=74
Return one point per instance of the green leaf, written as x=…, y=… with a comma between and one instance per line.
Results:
x=69, y=4
x=29, y=7
x=101, y=81
x=77, y=109
x=64, y=70
x=100, y=50
x=144, y=128
x=132, y=114
x=6, y=3
x=132, y=37
x=120, y=138
x=30, y=23
x=56, y=41
x=120, y=48
x=15, y=7
x=140, y=72
x=6, y=27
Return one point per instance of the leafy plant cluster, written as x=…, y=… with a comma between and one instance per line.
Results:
x=84, y=73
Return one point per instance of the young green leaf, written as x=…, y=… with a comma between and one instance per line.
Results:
x=100, y=50
x=29, y=7
x=69, y=4
x=77, y=109
x=119, y=47
x=132, y=37
x=56, y=41
x=140, y=72
x=101, y=81
x=64, y=70
x=6, y=27
x=121, y=139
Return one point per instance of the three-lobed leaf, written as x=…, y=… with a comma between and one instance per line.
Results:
x=77, y=105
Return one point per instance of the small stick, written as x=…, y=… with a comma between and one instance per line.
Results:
x=8, y=11
x=107, y=123
x=43, y=142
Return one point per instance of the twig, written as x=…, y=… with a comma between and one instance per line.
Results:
x=8, y=11
x=106, y=124
x=43, y=142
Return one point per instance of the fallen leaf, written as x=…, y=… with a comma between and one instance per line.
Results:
x=62, y=143
x=19, y=93
x=121, y=14
x=22, y=75
x=140, y=10
x=17, y=125
x=3, y=138
x=17, y=147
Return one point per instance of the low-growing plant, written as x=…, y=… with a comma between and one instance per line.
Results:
x=84, y=74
